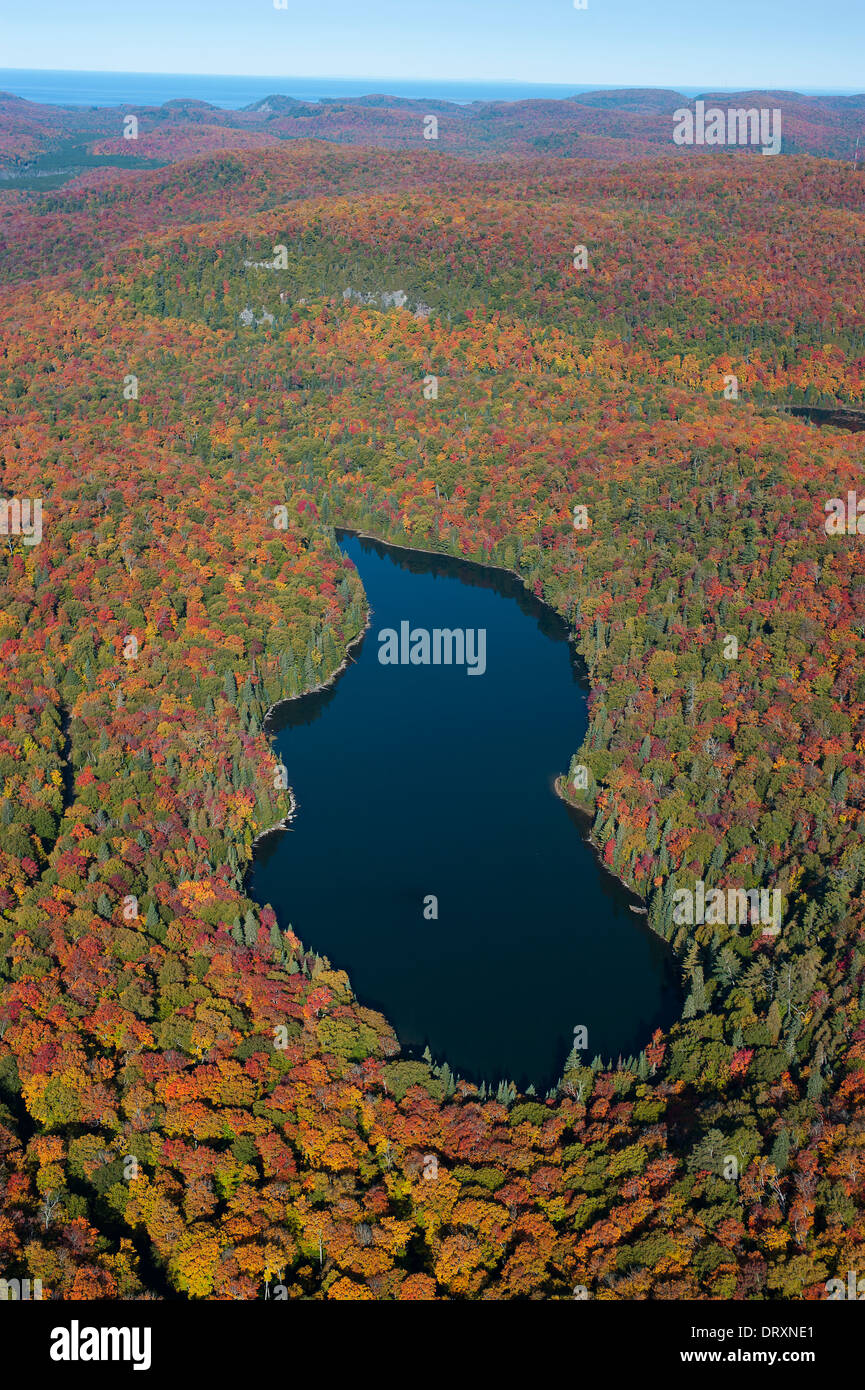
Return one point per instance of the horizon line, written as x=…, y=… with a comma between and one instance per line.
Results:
x=620, y=85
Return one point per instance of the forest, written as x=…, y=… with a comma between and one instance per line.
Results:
x=47, y=146
x=204, y=368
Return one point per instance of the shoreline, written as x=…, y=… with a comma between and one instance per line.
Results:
x=284, y=823
x=409, y=1050
x=323, y=685
x=286, y=820
x=442, y=555
x=640, y=911
x=280, y=824
x=596, y=849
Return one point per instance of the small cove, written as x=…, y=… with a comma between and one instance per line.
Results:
x=414, y=781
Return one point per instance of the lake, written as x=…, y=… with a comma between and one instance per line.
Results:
x=429, y=781
x=841, y=417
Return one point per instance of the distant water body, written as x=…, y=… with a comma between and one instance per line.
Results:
x=233, y=93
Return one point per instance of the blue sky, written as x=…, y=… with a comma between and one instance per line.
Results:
x=728, y=43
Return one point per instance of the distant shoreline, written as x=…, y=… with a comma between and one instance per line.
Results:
x=233, y=92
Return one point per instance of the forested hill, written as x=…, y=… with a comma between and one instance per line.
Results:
x=202, y=369
x=45, y=146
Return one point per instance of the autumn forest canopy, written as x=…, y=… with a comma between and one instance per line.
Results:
x=208, y=360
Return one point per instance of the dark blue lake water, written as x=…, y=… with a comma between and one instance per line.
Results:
x=421, y=780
